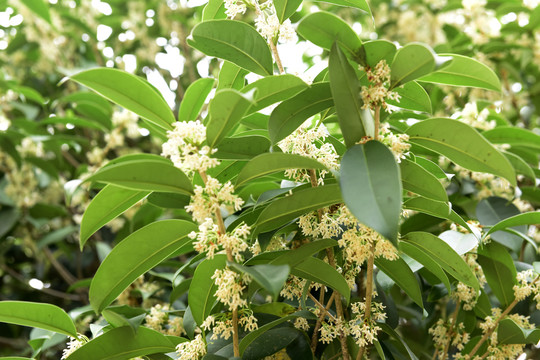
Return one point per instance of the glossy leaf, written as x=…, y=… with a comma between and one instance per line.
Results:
x=499, y=270
x=202, y=290
x=529, y=218
x=144, y=175
x=346, y=92
x=513, y=136
x=272, y=89
x=43, y=316
x=444, y=255
x=194, y=98
x=411, y=62
x=420, y=181
x=462, y=144
x=323, y=29
x=412, y=97
x=130, y=92
x=435, y=208
x=464, y=71
x=508, y=332
x=371, y=187
x=231, y=77
x=107, y=205
x=234, y=41
x=402, y=275
x=269, y=163
x=271, y=277
x=286, y=209
x=135, y=255
x=123, y=343
x=285, y=8
x=225, y=111
x=321, y=272
x=292, y=113
x=427, y=261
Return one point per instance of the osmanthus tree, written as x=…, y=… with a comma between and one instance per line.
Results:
x=385, y=208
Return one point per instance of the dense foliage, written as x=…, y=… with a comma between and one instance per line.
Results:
x=269, y=180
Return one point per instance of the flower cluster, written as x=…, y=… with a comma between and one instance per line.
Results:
x=230, y=287
x=160, y=320
x=267, y=24
x=73, y=344
x=377, y=92
x=191, y=350
x=185, y=147
x=234, y=7
x=398, y=144
x=209, y=240
x=446, y=333
x=364, y=331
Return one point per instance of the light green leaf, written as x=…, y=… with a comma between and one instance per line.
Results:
x=520, y=166
x=272, y=89
x=39, y=315
x=530, y=218
x=509, y=332
x=346, y=92
x=420, y=181
x=130, y=92
x=194, y=98
x=401, y=273
x=231, y=77
x=270, y=276
x=464, y=71
x=431, y=167
x=371, y=187
x=321, y=272
x=292, y=113
x=323, y=29
x=135, y=255
x=412, y=97
x=40, y=8
x=513, y=136
x=144, y=175
x=444, y=255
x=74, y=120
x=427, y=261
x=359, y=4
x=242, y=148
x=107, y=205
x=285, y=8
x=123, y=343
x=499, y=270
x=201, y=295
x=214, y=9
x=411, y=62
x=435, y=208
x=286, y=209
x=269, y=163
x=225, y=111
x=234, y=41
x=377, y=50
x=296, y=256
x=462, y=144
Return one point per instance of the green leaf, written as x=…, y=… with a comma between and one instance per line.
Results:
x=56, y=236
x=371, y=187
x=400, y=343
x=427, y=261
x=431, y=167
x=145, y=175
x=201, y=295
x=359, y=4
x=107, y=205
x=513, y=136
x=412, y=97
x=242, y=148
x=8, y=219
x=272, y=89
x=292, y=113
x=346, y=92
x=411, y=62
x=520, y=166
x=43, y=316
x=231, y=77
x=401, y=273
x=194, y=98
x=499, y=270
x=462, y=144
x=130, y=92
x=251, y=336
x=420, y=181
x=444, y=255
x=285, y=8
x=122, y=343
x=435, y=208
x=225, y=111
x=271, y=277
x=40, y=8
x=464, y=71
x=77, y=121
x=377, y=50
x=215, y=9
x=269, y=163
x=323, y=29
x=135, y=255
x=508, y=332
x=286, y=209
x=234, y=41
x=530, y=218
x=296, y=256
x=321, y=272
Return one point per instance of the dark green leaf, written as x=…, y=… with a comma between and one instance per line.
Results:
x=435, y=208
x=509, y=332
x=234, y=41
x=411, y=62
x=426, y=260
x=371, y=187
x=401, y=273
x=412, y=97
x=272, y=89
x=194, y=98
x=499, y=270
x=493, y=210
x=530, y=218
x=296, y=256
x=270, y=277
x=420, y=181
x=242, y=148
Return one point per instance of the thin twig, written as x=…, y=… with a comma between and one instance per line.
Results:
x=369, y=293
x=319, y=322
